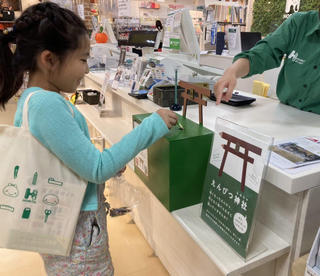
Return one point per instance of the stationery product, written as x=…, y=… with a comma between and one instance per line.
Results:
x=260, y=88
x=220, y=43
x=164, y=95
x=91, y=96
x=140, y=94
x=214, y=33
x=176, y=106
x=6, y=14
x=234, y=42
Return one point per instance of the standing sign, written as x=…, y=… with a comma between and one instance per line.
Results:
x=236, y=169
x=123, y=8
x=171, y=39
x=234, y=40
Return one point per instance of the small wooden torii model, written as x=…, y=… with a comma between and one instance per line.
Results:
x=201, y=91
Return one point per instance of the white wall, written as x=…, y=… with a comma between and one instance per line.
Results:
x=28, y=3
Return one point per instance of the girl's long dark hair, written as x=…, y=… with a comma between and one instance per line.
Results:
x=44, y=26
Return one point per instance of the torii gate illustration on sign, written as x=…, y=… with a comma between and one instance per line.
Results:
x=236, y=151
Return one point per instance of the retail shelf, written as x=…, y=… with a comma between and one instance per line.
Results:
x=265, y=246
x=220, y=3
x=149, y=8
x=231, y=23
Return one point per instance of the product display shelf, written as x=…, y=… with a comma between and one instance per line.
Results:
x=122, y=92
x=224, y=3
x=265, y=245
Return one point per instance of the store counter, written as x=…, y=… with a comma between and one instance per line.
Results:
x=287, y=217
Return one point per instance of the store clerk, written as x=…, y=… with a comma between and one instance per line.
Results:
x=297, y=40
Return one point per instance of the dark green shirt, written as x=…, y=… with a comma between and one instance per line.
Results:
x=298, y=40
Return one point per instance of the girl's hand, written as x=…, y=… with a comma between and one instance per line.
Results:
x=169, y=117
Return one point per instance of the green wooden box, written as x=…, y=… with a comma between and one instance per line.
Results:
x=174, y=167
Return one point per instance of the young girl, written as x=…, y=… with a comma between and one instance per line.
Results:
x=52, y=44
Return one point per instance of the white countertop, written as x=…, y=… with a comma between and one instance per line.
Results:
x=265, y=115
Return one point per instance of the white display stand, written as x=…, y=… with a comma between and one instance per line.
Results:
x=288, y=213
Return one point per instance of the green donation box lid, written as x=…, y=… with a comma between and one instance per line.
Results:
x=174, y=167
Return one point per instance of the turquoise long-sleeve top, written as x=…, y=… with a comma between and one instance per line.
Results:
x=66, y=135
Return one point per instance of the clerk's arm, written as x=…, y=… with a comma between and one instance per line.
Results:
x=237, y=70
x=265, y=55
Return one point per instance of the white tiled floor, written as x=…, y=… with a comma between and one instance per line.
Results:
x=131, y=254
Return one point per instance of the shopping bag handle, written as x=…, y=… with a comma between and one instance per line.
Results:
x=25, y=121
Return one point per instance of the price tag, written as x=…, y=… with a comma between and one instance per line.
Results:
x=115, y=84
x=105, y=81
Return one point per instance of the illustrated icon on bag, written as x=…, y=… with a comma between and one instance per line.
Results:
x=11, y=190
x=6, y=208
x=35, y=177
x=47, y=213
x=52, y=181
x=15, y=172
x=30, y=196
x=50, y=199
x=26, y=213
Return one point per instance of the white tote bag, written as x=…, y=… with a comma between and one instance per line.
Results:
x=40, y=198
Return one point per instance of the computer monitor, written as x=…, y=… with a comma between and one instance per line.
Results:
x=142, y=38
x=180, y=35
x=249, y=39
x=189, y=40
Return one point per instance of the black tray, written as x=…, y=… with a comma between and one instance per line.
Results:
x=236, y=99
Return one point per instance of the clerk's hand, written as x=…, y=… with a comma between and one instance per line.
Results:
x=224, y=87
x=169, y=117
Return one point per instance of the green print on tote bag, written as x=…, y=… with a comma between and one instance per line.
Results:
x=35, y=188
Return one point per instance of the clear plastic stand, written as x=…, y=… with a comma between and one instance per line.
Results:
x=238, y=163
x=120, y=193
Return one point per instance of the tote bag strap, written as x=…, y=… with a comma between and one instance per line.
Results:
x=25, y=122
